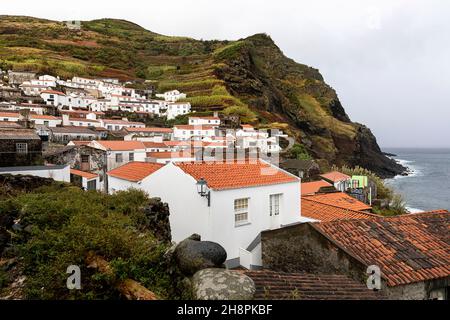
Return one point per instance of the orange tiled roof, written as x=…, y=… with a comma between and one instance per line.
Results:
x=408, y=248
x=9, y=114
x=169, y=155
x=87, y=175
x=54, y=92
x=324, y=212
x=135, y=171
x=195, y=127
x=44, y=117
x=313, y=187
x=233, y=175
x=121, y=145
x=80, y=142
x=152, y=144
x=335, y=176
x=341, y=200
x=155, y=129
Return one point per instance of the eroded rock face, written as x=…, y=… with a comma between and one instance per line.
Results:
x=192, y=255
x=221, y=284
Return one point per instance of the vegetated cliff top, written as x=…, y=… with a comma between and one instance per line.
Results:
x=252, y=73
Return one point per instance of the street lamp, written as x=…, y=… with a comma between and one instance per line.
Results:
x=203, y=190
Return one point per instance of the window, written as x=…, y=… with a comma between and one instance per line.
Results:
x=131, y=156
x=46, y=123
x=119, y=157
x=92, y=185
x=241, y=211
x=21, y=147
x=275, y=204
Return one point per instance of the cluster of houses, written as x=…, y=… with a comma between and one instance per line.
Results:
x=280, y=231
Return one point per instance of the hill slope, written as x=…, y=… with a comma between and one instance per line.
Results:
x=251, y=73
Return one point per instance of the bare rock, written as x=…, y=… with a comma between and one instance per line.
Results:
x=221, y=284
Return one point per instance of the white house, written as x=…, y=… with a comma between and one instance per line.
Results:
x=228, y=203
x=45, y=120
x=116, y=125
x=176, y=109
x=86, y=180
x=55, y=98
x=120, y=152
x=198, y=121
x=9, y=116
x=188, y=132
x=172, y=96
x=339, y=180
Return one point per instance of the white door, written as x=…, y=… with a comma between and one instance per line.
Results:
x=275, y=210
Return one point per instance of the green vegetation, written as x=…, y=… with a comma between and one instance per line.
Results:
x=63, y=224
x=298, y=151
x=246, y=115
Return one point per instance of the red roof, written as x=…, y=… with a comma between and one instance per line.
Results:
x=325, y=212
x=9, y=114
x=80, y=142
x=135, y=171
x=233, y=175
x=159, y=130
x=83, y=120
x=339, y=199
x=121, y=145
x=44, y=117
x=335, y=176
x=152, y=144
x=169, y=155
x=54, y=92
x=408, y=248
x=87, y=175
x=195, y=127
x=313, y=187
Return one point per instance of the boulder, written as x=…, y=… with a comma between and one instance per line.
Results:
x=221, y=284
x=194, y=255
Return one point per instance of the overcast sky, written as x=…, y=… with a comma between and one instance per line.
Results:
x=387, y=59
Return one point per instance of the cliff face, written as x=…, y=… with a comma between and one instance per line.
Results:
x=282, y=90
x=251, y=73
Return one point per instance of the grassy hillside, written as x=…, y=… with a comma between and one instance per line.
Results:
x=252, y=74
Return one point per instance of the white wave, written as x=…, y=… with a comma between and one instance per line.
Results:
x=414, y=210
x=412, y=170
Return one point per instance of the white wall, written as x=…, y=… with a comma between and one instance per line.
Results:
x=190, y=214
x=57, y=173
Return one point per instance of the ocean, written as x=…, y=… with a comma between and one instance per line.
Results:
x=428, y=185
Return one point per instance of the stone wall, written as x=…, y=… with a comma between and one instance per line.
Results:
x=301, y=248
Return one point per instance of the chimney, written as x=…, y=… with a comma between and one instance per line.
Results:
x=216, y=114
x=124, y=119
x=65, y=120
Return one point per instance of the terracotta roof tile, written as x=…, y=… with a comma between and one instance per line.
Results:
x=324, y=212
x=313, y=187
x=87, y=175
x=233, y=175
x=170, y=155
x=408, y=248
x=305, y=286
x=135, y=171
x=120, y=145
x=154, y=129
x=335, y=176
x=339, y=199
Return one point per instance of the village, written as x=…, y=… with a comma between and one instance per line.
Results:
x=281, y=221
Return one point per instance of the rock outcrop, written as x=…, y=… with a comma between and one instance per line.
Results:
x=221, y=284
x=192, y=255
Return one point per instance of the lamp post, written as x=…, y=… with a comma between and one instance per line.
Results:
x=203, y=190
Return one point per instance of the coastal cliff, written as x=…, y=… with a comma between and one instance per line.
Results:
x=252, y=74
